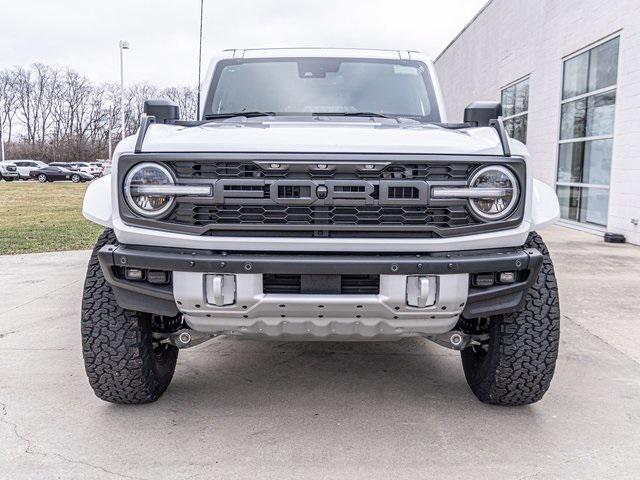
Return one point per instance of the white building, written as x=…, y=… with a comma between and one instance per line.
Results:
x=568, y=74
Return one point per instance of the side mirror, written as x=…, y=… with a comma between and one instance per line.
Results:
x=481, y=113
x=164, y=111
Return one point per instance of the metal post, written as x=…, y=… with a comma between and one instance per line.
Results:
x=200, y=60
x=1, y=141
x=110, y=130
x=123, y=46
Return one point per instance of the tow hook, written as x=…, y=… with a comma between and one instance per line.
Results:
x=457, y=340
x=183, y=338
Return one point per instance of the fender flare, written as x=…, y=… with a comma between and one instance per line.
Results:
x=545, y=208
x=97, y=206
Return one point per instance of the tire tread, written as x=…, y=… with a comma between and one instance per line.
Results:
x=523, y=351
x=117, y=347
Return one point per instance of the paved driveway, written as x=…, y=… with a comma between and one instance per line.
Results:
x=245, y=409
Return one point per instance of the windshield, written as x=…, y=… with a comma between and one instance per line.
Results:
x=303, y=86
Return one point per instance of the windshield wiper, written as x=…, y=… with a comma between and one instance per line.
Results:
x=215, y=116
x=352, y=114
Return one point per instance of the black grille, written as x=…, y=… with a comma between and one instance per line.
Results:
x=280, y=283
x=360, y=284
x=329, y=195
x=191, y=214
x=349, y=284
x=397, y=171
x=254, y=203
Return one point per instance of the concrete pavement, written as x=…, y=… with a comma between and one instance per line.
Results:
x=246, y=409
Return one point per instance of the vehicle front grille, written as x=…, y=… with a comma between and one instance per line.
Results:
x=346, y=284
x=191, y=214
x=314, y=195
x=243, y=169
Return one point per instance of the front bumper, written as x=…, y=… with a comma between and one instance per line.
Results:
x=386, y=313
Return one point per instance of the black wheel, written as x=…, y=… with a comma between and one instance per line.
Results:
x=123, y=363
x=8, y=179
x=75, y=178
x=42, y=178
x=516, y=365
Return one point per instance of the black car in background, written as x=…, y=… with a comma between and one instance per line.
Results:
x=53, y=173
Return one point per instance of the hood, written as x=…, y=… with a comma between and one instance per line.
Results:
x=360, y=136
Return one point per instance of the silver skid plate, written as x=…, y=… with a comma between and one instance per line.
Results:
x=327, y=317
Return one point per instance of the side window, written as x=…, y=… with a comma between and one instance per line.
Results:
x=515, y=109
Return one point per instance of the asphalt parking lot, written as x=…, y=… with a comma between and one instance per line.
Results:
x=245, y=409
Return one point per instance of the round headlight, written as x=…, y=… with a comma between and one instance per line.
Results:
x=143, y=200
x=502, y=192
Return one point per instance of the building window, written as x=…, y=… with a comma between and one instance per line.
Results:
x=586, y=133
x=515, y=109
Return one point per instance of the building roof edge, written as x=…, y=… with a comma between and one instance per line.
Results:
x=475, y=17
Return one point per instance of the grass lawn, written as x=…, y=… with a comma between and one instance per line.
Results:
x=44, y=217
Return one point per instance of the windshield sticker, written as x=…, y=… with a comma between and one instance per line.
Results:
x=405, y=70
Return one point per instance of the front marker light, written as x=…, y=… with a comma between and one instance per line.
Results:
x=150, y=190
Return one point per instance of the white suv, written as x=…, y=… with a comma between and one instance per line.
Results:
x=84, y=167
x=9, y=171
x=25, y=167
x=322, y=195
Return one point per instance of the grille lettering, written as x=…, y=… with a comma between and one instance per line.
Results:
x=321, y=192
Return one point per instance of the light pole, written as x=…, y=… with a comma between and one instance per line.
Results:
x=1, y=140
x=199, y=60
x=110, y=106
x=124, y=45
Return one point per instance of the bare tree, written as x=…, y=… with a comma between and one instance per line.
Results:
x=185, y=97
x=51, y=113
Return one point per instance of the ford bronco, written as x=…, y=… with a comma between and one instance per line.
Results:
x=321, y=195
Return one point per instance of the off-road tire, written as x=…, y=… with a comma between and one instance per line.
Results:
x=122, y=363
x=522, y=350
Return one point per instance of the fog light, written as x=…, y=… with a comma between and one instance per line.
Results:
x=157, y=276
x=483, y=280
x=507, y=277
x=134, y=274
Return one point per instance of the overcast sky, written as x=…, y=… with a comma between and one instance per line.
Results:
x=163, y=34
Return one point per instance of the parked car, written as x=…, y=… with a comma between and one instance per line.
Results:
x=106, y=169
x=25, y=167
x=9, y=171
x=66, y=165
x=52, y=173
x=97, y=167
x=369, y=219
x=85, y=167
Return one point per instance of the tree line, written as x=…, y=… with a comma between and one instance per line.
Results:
x=57, y=114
